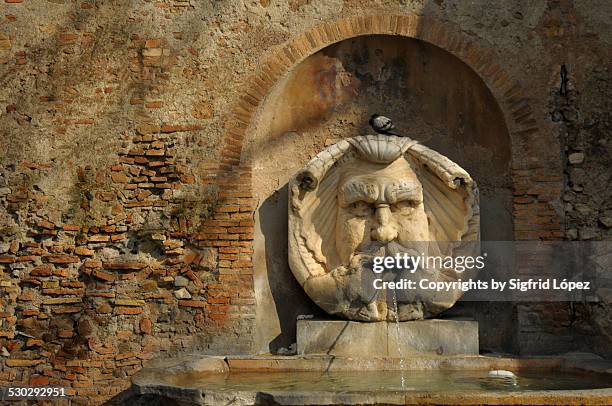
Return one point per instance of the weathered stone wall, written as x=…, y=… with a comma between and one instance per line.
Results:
x=575, y=38
x=127, y=214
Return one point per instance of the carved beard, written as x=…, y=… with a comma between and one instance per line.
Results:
x=361, y=268
x=366, y=252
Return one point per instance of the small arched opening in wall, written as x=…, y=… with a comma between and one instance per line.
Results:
x=321, y=86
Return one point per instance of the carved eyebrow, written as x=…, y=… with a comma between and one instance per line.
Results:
x=404, y=190
x=355, y=191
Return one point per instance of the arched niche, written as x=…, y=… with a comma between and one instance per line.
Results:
x=432, y=96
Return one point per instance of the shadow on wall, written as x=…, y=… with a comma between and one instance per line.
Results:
x=288, y=297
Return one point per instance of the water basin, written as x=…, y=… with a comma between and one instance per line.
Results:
x=346, y=381
x=342, y=381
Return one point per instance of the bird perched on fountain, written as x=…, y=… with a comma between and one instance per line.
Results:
x=383, y=125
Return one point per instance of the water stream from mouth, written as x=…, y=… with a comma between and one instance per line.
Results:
x=399, y=343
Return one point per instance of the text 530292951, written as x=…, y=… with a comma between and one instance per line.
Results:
x=36, y=392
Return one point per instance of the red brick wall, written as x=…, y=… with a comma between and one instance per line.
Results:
x=74, y=319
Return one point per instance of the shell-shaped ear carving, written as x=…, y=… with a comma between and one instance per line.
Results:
x=381, y=148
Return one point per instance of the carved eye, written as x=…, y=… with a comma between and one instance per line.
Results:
x=404, y=206
x=361, y=209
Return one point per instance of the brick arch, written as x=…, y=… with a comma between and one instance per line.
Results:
x=536, y=181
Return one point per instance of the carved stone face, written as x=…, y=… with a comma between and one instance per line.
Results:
x=378, y=204
x=366, y=197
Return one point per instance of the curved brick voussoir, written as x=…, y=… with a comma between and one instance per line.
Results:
x=480, y=57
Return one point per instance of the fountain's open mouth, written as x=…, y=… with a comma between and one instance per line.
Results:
x=328, y=380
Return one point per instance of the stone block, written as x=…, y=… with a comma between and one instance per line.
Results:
x=380, y=339
x=342, y=338
x=441, y=337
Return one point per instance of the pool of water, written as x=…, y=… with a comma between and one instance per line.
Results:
x=438, y=381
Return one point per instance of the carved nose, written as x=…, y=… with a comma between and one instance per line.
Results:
x=385, y=229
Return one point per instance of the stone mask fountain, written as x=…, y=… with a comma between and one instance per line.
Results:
x=380, y=195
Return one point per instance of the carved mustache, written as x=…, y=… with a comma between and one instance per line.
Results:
x=377, y=248
x=364, y=255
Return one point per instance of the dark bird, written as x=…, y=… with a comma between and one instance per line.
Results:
x=382, y=125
